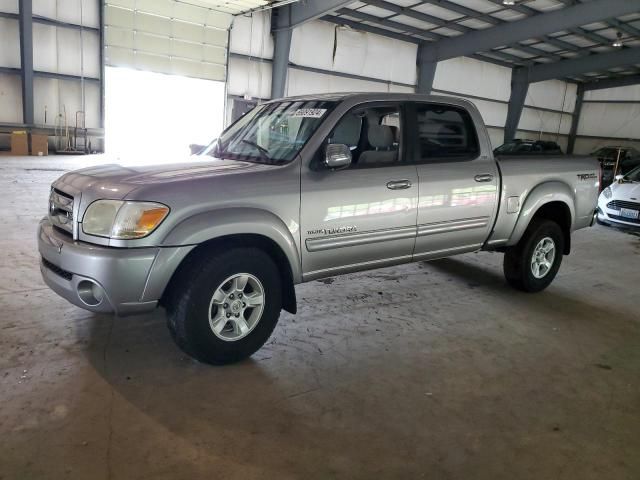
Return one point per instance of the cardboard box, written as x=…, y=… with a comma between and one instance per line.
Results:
x=19, y=143
x=39, y=144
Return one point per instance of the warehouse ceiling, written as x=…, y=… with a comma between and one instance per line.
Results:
x=436, y=20
x=233, y=6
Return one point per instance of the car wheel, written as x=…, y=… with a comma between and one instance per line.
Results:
x=225, y=306
x=533, y=263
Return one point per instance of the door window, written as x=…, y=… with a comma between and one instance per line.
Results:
x=445, y=132
x=372, y=134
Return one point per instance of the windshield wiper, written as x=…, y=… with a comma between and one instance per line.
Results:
x=262, y=150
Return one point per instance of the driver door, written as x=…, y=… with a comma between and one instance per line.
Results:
x=363, y=216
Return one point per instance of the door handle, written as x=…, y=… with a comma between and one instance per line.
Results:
x=398, y=184
x=487, y=177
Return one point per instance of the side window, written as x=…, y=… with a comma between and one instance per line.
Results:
x=444, y=132
x=372, y=134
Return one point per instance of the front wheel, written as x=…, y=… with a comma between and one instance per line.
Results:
x=226, y=305
x=533, y=263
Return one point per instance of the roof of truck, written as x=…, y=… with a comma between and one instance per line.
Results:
x=370, y=96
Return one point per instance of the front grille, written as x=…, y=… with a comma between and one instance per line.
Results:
x=618, y=204
x=61, y=210
x=625, y=219
x=57, y=270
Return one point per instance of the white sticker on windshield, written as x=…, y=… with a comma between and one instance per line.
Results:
x=309, y=112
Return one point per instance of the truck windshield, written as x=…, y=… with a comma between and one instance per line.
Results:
x=272, y=133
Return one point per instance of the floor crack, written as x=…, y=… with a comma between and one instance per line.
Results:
x=111, y=399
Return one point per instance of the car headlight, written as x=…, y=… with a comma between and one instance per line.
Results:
x=123, y=220
x=607, y=193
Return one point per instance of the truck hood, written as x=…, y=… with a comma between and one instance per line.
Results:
x=117, y=181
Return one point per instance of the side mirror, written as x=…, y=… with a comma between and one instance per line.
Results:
x=337, y=156
x=619, y=178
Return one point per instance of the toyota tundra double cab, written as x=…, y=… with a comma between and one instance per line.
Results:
x=296, y=190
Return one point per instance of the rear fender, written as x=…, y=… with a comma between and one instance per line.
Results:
x=538, y=197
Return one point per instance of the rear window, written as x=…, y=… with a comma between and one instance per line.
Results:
x=445, y=131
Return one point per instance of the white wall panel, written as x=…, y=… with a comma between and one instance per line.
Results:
x=473, y=77
x=9, y=43
x=45, y=94
x=247, y=77
x=374, y=56
x=493, y=113
x=552, y=94
x=251, y=35
x=329, y=47
x=60, y=96
x=630, y=93
x=301, y=82
x=9, y=6
x=610, y=120
x=10, y=98
x=316, y=37
x=58, y=50
x=77, y=12
x=45, y=52
x=496, y=135
x=401, y=88
x=541, y=121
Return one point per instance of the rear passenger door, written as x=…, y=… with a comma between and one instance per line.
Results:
x=364, y=216
x=458, y=181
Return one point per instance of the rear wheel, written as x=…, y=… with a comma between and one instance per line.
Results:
x=225, y=307
x=533, y=263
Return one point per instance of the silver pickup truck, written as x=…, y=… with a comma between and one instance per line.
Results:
x=300, y=189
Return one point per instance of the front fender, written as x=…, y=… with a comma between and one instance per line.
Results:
x=541, y=195
x=237, y=221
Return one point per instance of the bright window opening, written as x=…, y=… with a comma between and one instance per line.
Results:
x=152, y=117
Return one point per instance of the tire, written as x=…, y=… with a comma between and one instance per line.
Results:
x=518, y=260
x=192, y=307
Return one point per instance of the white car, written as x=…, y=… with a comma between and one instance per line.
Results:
x=619, y=203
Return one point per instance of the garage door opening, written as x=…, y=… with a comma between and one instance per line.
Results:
x=151, y=117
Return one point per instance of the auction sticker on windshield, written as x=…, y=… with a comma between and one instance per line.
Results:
x=309, y=112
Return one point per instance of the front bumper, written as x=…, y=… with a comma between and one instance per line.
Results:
x=612, y=217
x=124, y=281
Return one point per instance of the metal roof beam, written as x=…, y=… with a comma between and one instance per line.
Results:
x=590, y=63
x=532, y=27
x=370, y=29
x=386, y=22
x=625, y=81
x=365, y=17
x=295, y=14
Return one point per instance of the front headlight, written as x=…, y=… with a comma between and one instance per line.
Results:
x=123, y=220
x=607, y=193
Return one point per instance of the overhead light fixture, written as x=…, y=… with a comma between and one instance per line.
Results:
x=618, y=41
x=509, y=3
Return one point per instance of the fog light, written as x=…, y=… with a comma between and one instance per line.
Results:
x=90, y=293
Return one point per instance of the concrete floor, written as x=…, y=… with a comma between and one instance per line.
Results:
x=435, y=371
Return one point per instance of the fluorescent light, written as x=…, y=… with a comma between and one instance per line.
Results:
x=618, y=41
x=509, y=3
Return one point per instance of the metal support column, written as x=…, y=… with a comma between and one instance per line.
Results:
x=25, y=20
x=427, y=64
x=102, y=66
x=519, y=89
x=575, y=119
x=282, y=45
